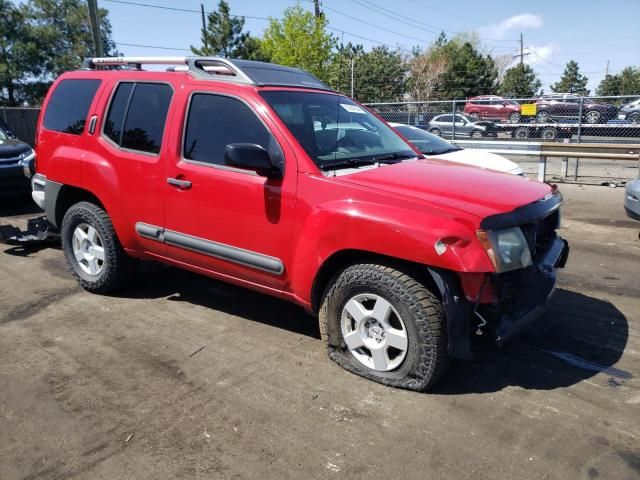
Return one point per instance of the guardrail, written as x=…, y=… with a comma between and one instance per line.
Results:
x=543, y=151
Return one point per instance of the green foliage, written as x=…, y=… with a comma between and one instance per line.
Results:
x=627, y=82
x=300, y=40
x=40, y=39
x=572, y=81
x=224, y=37
x=379, y=74
x=519, y=82
x=467, y=72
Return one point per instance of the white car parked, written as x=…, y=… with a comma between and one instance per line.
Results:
x=435, y=147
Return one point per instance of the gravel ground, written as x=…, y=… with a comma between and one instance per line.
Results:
x=186, y=377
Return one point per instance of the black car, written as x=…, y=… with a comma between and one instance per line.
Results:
x=16, y=164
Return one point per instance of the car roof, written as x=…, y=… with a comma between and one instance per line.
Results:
x=261, y=74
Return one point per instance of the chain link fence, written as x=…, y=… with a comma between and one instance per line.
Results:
x=503, y=124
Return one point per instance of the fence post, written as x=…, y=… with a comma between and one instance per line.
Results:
x=453, y=121
x=580, y=119
x=542, y=167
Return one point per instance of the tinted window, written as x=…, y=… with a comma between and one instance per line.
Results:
x=69, y=105
x=444, y=118
x=117, y=110
x=146, y=116
x=215, y=121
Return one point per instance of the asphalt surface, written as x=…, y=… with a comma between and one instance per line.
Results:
x=185, y=377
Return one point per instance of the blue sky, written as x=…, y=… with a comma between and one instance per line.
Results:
x=590, y=32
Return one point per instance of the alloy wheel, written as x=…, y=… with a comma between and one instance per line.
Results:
x=88, y=249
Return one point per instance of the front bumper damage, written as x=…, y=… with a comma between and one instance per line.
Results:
x=523, y=294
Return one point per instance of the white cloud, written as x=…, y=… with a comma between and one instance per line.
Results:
x=539, y=54
x=522, y=21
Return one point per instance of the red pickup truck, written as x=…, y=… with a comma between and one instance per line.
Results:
x=262, y=176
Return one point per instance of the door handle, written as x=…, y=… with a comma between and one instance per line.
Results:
x=176, y=182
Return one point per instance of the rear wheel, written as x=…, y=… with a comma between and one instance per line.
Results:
x=92, y=250
x=592, y=117
x=436, y=131
x=549, y=133
x=543, y=116
x=521, y=133
x=382, y=324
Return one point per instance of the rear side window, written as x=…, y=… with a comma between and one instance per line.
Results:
x=68, y=107
x=215, y=121
x=137, y=116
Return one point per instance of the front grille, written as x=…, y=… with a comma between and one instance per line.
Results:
x=541, y=234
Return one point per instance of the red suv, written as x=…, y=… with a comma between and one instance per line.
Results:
x=262, y=176
x=491, y=107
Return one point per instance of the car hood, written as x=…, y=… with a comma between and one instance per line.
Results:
x=12, y=147
x=482, y=159
x=473, y=190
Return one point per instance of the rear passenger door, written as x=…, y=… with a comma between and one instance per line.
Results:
x=132, y=151
x=229, y=221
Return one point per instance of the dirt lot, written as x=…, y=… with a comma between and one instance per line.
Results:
x=185, y=377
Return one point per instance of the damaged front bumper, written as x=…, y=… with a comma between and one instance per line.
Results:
x=523, y=294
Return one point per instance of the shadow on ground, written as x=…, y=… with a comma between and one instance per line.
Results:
x=578, y=337
x=18, y=205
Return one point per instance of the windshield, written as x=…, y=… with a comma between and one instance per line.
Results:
x=3, y=136
x=335, y=130
x=426, y=142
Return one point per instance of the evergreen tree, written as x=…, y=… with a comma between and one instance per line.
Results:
x=627, y=82
x=224, y=37
x=519, y=82
x=572, y=81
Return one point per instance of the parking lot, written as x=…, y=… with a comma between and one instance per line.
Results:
x=185, y=377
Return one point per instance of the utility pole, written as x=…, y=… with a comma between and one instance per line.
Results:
x=521, y=51
x=606, y=72
x=316, y=8
x=204, y=20
x=352, y=61
x=94, y=23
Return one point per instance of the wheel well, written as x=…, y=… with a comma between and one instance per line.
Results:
x=345, y=258
x=68, y=196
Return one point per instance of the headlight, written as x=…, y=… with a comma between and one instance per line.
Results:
x=25, y=154
x=507, y=249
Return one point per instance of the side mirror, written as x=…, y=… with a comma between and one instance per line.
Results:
x=250, y=156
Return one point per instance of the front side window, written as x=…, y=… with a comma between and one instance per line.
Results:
x=334, y=129
x=215, y=121
x=68, y=107
x=137, y=116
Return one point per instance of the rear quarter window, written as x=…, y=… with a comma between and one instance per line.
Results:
x=68, y=107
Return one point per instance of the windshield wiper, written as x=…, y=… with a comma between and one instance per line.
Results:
x=392, y=157
x=441, y=152
x=348, y=163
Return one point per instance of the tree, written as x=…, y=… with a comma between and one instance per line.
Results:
x=223, y=36
x=64, y=34
x=300, y=40
x=379, y=74
x=520, y=82
x=627, y=82
x=425, y=72
x=571, y=81
x=39, y=40
x=469, y=72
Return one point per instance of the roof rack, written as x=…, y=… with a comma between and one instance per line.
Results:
x=219, y=69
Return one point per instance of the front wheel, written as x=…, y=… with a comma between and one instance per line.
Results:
x=92, y=250
x=436, y=132
x=543, y=116
x=476, y=134
x=382, y=324
x=515, y=117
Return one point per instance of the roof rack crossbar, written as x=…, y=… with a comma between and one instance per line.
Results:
x=219, y=69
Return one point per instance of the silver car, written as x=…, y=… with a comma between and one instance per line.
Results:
x=632, y=199
x=443, y=126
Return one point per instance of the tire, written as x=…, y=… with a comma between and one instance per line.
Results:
x=476, y=134
x=543, y=116
x=549, y=133
x=474, y=116
x=87, y=235
x=592, y=117
x=521, y=133
x=436, y=132
x=634, y=118
x=413, y=309
x=515, y=117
